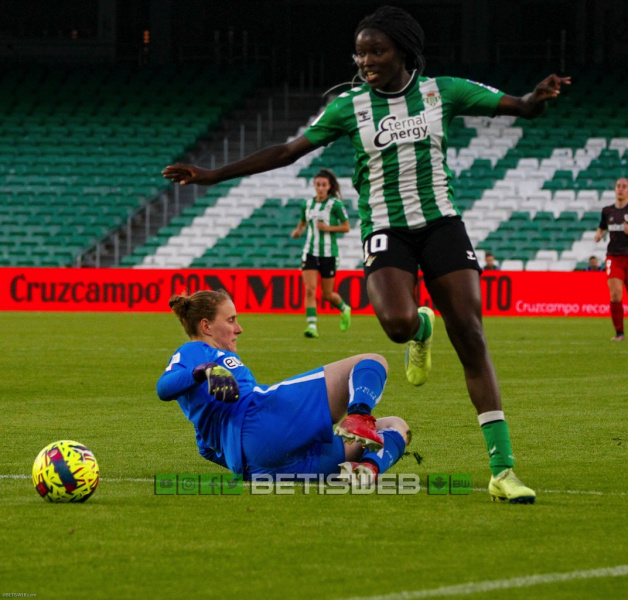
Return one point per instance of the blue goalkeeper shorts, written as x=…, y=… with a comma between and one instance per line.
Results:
x=288, y=429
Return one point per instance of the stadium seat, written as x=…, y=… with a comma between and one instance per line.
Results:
x=70, y=140
x=513, y=181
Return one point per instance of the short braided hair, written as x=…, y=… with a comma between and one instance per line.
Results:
x=404, y=31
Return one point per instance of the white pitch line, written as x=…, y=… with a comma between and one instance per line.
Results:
x=108, y=479
x=423, y=488
x=476, y=587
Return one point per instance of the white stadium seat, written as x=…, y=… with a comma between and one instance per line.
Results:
x=537, y=265
x=547, y=255
x=562, y=153
x=512, y=265
x=564, y=195
x=563, y=265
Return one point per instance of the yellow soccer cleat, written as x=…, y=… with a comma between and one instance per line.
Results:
x=507, y=487
x=311, y=332
x=345, y=319
x=418, y=354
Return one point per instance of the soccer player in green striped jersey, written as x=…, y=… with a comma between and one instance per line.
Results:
x=323, y=217
x=398, y=122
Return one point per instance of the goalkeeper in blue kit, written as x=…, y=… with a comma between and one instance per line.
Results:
x=293, y=427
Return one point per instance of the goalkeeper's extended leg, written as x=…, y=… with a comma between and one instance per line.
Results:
x=395, y=434
x=366, y=383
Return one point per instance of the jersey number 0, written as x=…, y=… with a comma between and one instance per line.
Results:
x=376, y=243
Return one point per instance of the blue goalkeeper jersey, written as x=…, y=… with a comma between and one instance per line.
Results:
x=218, y=425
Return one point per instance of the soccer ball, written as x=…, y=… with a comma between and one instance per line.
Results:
x=65, y=471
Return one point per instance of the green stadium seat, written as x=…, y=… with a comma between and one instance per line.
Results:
x=543, y=217
x=68, y=130
x=556, y=184
x=568, y=216
x=565, y=175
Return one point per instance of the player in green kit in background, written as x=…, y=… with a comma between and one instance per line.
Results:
x=397, y=122
x=323, y=217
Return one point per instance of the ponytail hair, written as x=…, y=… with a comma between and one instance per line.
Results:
x=334, y=186
x=191, y=310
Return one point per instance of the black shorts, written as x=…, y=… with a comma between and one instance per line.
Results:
x=437, y=249
x=325, y=265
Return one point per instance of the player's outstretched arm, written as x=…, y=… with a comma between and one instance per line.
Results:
x=221, y=383
x=267, y=159
x=174, y=382
x=533, y=104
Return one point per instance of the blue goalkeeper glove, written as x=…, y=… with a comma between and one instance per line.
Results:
x=222, y=385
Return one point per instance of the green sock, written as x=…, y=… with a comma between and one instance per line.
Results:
x=425, y=329
x=310, y=316
x=498, y=445
x=341, y=307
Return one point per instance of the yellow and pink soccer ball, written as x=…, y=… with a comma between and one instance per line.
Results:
x=65, y=471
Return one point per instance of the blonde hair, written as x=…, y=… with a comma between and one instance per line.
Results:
x=191, y=310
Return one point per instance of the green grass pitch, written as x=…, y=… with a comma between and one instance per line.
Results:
x=91, y=378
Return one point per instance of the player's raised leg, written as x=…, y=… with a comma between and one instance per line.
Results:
x=354, y=387
x=392, y=294
x=419, y=350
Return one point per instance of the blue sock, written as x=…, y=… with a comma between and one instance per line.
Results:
x=394, y=447
x=366, y=383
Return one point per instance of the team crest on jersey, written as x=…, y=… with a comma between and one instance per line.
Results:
x=432, y=98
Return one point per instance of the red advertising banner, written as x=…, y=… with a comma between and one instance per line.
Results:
x=515, y=293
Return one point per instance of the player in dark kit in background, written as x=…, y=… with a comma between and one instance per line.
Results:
x=615, y=221
x=397, y=122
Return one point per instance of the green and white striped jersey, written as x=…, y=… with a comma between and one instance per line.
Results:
x=400, y=141
x=332, y=212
